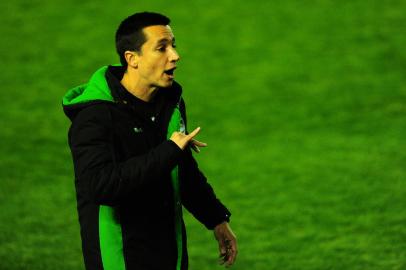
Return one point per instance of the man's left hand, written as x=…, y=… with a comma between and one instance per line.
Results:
x=227, y=243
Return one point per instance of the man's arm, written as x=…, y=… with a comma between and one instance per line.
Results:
x=199, y=198
x=197, y=194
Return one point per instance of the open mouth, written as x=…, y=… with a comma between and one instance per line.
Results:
x=170, y=72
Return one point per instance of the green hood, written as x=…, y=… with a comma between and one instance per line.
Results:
x=95, y=89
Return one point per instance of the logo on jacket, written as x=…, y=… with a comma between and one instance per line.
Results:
x=182, y=127
x=137, y=130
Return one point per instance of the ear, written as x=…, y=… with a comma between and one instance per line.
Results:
x=132, y=58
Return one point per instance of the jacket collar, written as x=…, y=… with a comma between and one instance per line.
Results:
x=114, y=74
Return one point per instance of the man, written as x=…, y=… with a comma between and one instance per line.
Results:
x=132, y=158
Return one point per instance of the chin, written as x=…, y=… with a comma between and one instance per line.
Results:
x=167, y=84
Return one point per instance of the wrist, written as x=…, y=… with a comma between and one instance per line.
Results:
x=221, y=225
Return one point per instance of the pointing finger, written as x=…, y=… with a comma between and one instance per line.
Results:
x=194, y=133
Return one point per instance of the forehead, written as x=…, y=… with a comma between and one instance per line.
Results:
x=155, y=33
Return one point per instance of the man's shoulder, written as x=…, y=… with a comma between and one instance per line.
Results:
x=96, y=112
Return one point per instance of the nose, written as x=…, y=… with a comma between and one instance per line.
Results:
x=173, y=55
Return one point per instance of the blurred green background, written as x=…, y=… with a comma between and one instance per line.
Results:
x=302, y=103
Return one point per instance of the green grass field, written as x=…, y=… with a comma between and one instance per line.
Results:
x=303, y=105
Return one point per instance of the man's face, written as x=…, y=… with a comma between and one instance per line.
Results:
x=158, y=56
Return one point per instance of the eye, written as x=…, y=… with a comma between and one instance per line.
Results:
x=173, y=45
x=161, y=49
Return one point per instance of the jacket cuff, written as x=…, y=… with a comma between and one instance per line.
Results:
x=177, y=151
x=172, y=154
x=219, y=217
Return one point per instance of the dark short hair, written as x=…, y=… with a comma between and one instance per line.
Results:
x=129, y=35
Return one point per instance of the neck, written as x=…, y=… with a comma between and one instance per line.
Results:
x=133, y=83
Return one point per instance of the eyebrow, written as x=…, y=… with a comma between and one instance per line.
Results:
x=164, y=41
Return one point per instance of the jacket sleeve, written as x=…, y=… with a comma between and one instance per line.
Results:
x=197, y=195
x=99, y=175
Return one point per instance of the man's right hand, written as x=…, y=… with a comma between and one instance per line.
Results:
x=182, y=140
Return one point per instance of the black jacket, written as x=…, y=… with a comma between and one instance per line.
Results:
x=123, y=160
